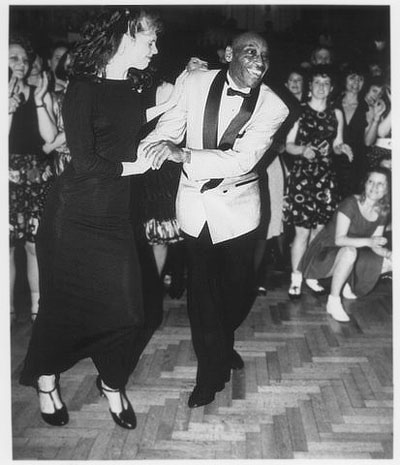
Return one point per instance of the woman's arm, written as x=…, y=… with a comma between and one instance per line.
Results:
x=380, y=250
x=343, y=240
x=44, y=108
x=13, y=100
x=385, y=126
x=298, y=150
x=167, y=97
x=338, y=145
x=373, y=119
x=57, y=142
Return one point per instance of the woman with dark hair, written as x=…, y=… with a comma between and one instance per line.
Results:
x=59, y=146
x=378, y=133
x=351, y=248
x=312, y=195
x=57, y=51
x=354, y=109
x=91, y=296
x=295, y=83
x=31, y=123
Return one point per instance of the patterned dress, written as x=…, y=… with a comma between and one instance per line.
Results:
x=62, y=154
x=312, y=195
x=30, y=173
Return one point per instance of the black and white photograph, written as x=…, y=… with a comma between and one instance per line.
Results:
x=199, y=257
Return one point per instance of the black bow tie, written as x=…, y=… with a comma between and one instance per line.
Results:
x=231, y=92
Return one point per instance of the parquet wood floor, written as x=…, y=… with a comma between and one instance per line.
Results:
x=311, y=388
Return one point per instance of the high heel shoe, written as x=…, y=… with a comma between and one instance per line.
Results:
x=127, y=418
x=316, y=287
x=60, y=416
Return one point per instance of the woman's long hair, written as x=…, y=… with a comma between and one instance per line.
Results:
x=384, y=204
x=101, y=38
x=349, y=70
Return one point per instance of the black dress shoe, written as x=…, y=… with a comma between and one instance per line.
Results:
x=60, y=416
x=237, y=362
x=125, y=419
x=201, y=396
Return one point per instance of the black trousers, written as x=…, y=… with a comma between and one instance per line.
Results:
x=220, y=292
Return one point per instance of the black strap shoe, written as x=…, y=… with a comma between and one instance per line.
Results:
x=125, y=419
x=60, y=416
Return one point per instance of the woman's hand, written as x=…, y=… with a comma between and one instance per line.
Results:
x=346, y=149
x=196, y=63
x=309, y=152
x=140, y=166
x=378, y=109
x=377, y=241
x=388, y=255
x=41, y=88
x=13, y=103
x=13, y=95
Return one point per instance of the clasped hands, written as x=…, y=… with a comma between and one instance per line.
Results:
x=310, y=151
x=156, y=153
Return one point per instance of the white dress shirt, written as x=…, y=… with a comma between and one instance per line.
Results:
x=230, y=105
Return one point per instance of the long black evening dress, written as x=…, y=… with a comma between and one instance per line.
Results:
x=90, y=283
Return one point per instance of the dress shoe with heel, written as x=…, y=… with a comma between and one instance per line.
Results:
x=126, y=418
x=315, y=287
x=60, y=416
x=202, y=395
x=335, y=309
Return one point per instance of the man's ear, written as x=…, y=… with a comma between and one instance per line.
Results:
x=228, y=54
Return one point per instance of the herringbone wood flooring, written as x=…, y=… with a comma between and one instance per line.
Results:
x=311, y=388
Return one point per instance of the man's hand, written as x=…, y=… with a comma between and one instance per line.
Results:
x=164, y=150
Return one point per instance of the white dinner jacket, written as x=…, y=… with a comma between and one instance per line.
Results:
x=232, y=208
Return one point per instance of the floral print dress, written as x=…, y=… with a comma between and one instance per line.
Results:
x=30, y=174
x=311, y=195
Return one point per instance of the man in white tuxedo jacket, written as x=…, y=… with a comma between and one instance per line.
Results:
x=229, y=119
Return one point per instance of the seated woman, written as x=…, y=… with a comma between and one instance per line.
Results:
x=350, y=249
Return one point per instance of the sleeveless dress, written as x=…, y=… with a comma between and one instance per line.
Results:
x=30, y=172
x=320, y=255
x=312, y=195
x=90, y=282
x=351, y=174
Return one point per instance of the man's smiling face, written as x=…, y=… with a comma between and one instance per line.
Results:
x=249, y=61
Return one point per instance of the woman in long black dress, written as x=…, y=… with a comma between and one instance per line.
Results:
x=91, y=300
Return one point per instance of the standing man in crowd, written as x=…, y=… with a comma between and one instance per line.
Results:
x=229, y=119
